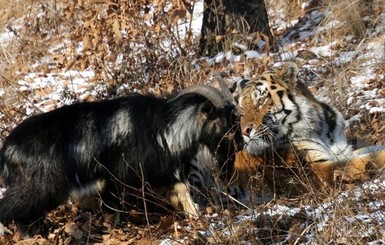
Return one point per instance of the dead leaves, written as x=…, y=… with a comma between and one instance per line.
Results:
x=369, y=129
x=113, y=29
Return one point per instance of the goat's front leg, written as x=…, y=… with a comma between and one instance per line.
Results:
x=180, y=197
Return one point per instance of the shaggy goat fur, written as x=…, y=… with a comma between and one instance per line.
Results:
x=113, y=148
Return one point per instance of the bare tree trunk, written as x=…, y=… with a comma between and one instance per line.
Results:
x=224, y=19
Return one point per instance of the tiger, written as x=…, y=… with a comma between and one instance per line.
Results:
x=295, y=141
x=289, y=134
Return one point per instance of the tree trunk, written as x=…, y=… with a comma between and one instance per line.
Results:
x=225, y=21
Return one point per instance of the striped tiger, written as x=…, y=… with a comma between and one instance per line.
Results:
x=291, y=136
x=296, y=141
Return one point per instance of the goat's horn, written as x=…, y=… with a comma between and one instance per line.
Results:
x=211, y=93
x=226, y=91
x=224, y=88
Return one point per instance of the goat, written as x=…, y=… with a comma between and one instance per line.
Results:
x=112, y=147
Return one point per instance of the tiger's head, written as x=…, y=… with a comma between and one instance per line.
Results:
x=268, y=108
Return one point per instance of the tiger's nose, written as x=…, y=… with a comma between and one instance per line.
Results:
x=246, y=130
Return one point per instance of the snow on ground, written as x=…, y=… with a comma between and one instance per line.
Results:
x=77, y=82
x=194, y=22
x=319, y=217
x=5, y=36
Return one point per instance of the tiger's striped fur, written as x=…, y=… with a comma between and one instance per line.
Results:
x=296, y=141
x=290, y=134
x=279, y=109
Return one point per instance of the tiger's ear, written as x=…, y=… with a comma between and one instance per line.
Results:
x=237, y=89
x=289, y=73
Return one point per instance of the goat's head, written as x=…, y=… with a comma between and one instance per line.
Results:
x=221, y=130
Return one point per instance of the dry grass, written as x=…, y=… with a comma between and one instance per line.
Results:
x=350, y=17
x=348, y=27
x=33, y=27
x=351, y=14
x=12, y=10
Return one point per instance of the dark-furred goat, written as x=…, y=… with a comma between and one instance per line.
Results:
x=112, y=148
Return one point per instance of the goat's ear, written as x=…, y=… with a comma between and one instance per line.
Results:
x=208, y=109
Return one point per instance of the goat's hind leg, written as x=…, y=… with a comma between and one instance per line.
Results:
x=25, y=202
